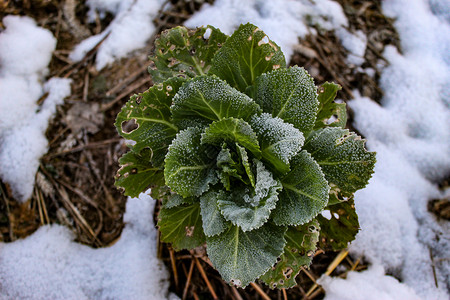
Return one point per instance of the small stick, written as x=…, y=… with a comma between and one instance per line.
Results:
x=85, y=146
x=338, y=259
x=129, y=90
x=86, y=86
x=205, y=278
x=44, y=208
x=236, y=293
x=188, y=280
x=41, y=215
x=284, y=294
x=260, y=291
x=308, y=274
x=126, y=81
x=174, y=266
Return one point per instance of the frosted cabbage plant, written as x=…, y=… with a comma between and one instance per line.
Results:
x=248, y=157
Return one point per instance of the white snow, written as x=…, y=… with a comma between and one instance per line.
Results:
x=25, y=52
x=49, y=265
x=130, y=30
x=371, y=284
x=284, y=21
x=411, y=133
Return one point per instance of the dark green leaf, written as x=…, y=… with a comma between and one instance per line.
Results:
x=181, y=226
x=137, y=173
x=289, y=94
x=213, y=221
x=328, y=108
x=188, y=169
x=305, y=192
x=183, y=52
x=300, y=246
x=279, y=141
x=241, y=257
x=245, y=162
x=151, y=112
x=339, y=227
x=246, y=54
x=207, y=98
x=232, y=130
x=347, y=165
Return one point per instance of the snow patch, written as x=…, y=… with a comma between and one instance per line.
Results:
x=410, y=133
x=368, y=285
x=25, y=52
x=49, y=265
x=284, y=21
x=131, y=28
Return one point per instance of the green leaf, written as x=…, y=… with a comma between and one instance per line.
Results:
x=186, y=53
x=181, y=226
x=328, y=108
x=245, y=162
x=339, y=227
x=205, y=99
x=241, y=257
x=279, y=141
x=175, y=200
x=250, y=209
x=213, y=221
x=137, y=173
x=289, y=94
x=151, y=112
x=305, y=192
x=228, y=167
x=188, y=168
x=342, y=157
x=246, y=54
x=232, y=130
x=299, y=251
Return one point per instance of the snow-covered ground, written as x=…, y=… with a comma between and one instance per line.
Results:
x=409, y=130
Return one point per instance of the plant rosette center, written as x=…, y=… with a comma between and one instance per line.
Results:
x=246, y=155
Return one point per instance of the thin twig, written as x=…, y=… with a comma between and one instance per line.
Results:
x=260, y=291
x=174, y=266
x=284, y=294
x=337, y=260
x=188, y=280
x=236, y=294
x=205, y=278
x=85, y=146
x=126, y=81
x=128, y=91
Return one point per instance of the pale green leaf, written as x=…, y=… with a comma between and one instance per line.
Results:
x=175, y=200
x=301, y=243
x=342, y=157
x=289, y=94
x=305, y=192
x=137, y=173
x=181, y=226
x=151, y=112
x=188, y=169
x=205, y=99
x=228, y=167
x=241, y=257
x=330, y=113
x=213, y=221
x=232, y=130
x=279, y=141
x=245, y=55
x=250, y=209
x=183, y=52
x=339, y=227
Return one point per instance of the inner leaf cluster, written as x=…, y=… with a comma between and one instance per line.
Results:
x=244, y=153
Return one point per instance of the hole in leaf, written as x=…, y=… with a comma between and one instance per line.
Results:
x=138, y=100
x=207, y=33
x=236, y=282
x=134, y=171
x=192, y=51
x=312, y=228
x=249, y=38
x=171, y=48
x=169, y=88
x=321, y=90
x=129, y=126
x=287, y=273
x=310, y=253
x=264, y=40
x=276, y=67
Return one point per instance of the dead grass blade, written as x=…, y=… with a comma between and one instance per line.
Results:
x=188, y=280
x=205, y=278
